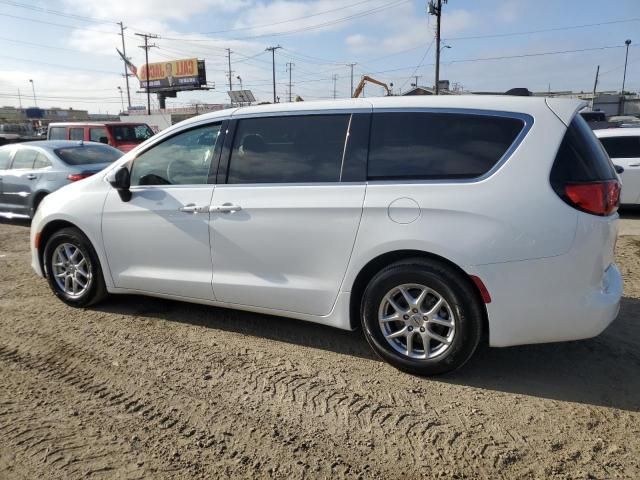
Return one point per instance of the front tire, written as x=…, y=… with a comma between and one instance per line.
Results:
x=72, y=268
x=422, y=316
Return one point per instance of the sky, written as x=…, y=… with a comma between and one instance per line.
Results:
x=68, y=47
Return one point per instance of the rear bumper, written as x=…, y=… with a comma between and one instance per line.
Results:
x=540, y=304
x=567, y=297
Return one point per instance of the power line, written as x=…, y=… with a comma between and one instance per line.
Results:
x=419, y=65
x=255, y=27
x=308, y=28
x=544, y=30
x=66, y=67
x=56, y=12
x=61, y=25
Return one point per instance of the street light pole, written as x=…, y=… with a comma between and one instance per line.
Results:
x=33, y=89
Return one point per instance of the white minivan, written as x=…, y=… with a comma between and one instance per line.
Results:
x=432, y=223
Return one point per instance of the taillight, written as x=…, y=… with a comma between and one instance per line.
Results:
x=598, y=198
x=74, y=177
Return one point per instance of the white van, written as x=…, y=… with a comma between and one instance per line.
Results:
x=432, y=222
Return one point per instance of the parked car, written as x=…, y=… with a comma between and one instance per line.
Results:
x=120, y=135
x=593, y=116
x=625, y=121
x=432, y=222
x=30, y=171
x=623, y=146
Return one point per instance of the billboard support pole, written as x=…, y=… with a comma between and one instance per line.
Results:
x=126, y=73
x=146, y=48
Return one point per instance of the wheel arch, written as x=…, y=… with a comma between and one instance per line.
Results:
x=37, y=197
x=46, y=233
x=376, y=264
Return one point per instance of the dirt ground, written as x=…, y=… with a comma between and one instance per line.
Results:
x=147, y=388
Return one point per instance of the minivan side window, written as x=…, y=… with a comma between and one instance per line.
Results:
x=622, y=147
x=430, y=145
x=288, y=149
x=76, y=134
x=57, y=133
x=23, y=158
x=184, y=159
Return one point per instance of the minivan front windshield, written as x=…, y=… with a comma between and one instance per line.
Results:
x=131, y=133
x=88, y=154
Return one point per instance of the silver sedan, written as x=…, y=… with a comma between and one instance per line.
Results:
x=30, y=171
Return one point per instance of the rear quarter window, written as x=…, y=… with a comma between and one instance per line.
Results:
x=581, y=158
x=428, y=145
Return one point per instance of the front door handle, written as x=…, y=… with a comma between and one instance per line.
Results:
x=31, y=176
x=193, y=208
x=635, y=165
x=225, y=208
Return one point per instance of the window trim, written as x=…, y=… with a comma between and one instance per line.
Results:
x=527, y=119
x=223, y=171
x=212, y=167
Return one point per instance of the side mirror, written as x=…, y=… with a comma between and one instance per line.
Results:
x=120, y=179
x=619, y=169
x=104, y=140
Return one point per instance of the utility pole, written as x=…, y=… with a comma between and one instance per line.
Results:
x=19, y=99
x=595, y=84
x=335, y=79
x=126, y=72
x=230, y=72
x=351, y=65
x=290, y=68
x=273, y=67
x=626, y=58
x=121, y=98
x=146, y=48
x=435, y=8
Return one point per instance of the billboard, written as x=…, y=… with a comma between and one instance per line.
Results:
x=173, y=74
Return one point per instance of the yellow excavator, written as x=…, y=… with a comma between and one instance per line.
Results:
x=364, y=80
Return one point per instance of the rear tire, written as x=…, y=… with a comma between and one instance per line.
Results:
x=422, y=316
x=73, y=269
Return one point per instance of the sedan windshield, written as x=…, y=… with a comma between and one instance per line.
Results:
x=88, y=154
x=131, y=133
